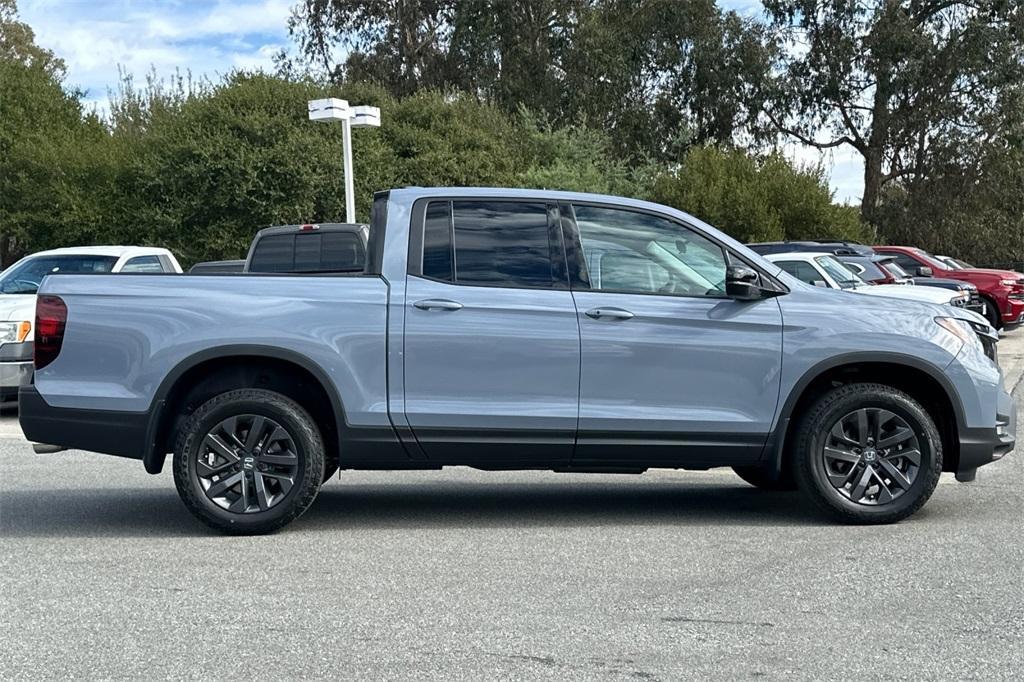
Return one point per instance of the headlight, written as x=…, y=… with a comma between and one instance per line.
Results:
x=14, y=332
x=960, y=329
x=1010, y=282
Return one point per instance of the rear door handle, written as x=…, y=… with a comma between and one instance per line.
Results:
x=608, y=314
x=438, y=304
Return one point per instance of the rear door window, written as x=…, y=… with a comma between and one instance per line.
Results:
x=493, y=243
x=502, y=243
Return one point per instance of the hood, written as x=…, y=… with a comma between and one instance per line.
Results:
x=927, y=294
x=1002, y=274
x=17, y=307
x=946, y=282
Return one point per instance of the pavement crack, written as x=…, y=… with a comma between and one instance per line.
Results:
x=716, y=621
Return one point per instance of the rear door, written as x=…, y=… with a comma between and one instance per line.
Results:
x=673, y=372
x=491, y=337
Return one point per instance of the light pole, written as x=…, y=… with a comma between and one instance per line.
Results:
x=333, y=109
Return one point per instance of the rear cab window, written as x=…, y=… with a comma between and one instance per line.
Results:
x=309, y=252
x=498, y=243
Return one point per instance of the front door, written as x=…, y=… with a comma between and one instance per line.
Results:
x=491, y=337
x=673, y=371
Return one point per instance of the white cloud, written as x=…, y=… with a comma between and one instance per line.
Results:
x=844, y=164
x=165, y=37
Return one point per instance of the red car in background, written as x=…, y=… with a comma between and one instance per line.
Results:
x=1003, y=290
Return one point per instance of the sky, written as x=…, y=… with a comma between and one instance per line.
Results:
x=96, y=38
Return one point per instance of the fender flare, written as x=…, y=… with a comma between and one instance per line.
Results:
x=777, y=440
x=153, y=459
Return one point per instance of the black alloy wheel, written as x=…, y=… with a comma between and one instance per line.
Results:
x=247, y=463
x=871, y=456
x=867, y=453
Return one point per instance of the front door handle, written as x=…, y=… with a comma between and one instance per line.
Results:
x=437, y=304
x=608, y=314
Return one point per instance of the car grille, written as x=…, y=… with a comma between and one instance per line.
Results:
x=960, y=302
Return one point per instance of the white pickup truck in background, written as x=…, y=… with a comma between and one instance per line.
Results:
x=19, y=283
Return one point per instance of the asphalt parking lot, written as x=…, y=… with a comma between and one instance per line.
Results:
x=462, y=574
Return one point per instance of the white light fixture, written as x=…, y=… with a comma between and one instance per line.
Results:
x=334, y=109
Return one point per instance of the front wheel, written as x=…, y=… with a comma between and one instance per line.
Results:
x=867, y=453
x=248, y=461
x=992, y=314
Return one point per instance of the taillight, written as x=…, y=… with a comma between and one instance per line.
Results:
x=51, y=318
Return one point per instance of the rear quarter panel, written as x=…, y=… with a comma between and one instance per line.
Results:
x=126, y=333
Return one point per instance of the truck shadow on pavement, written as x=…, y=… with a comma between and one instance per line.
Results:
x=110, y=512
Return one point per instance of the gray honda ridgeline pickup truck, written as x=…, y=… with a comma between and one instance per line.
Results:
x=517, y=329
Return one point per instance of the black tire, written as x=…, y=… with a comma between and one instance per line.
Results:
x=277, y=506
x=813, y=465
x=992, y=313
x=759, y=477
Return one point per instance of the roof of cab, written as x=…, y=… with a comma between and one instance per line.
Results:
x=411, y=194
x=320, y=227
x=113, y=251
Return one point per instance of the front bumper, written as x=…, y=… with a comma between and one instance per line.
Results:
x=977, y=307
x=14, y=375
x=981, y=446
x=1014, y=312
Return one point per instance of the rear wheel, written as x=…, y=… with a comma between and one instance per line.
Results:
x=867, y=453
x=759, y=477
x=248, y=461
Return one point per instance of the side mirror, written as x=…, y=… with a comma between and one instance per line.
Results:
x=924, y=272
x=820, y=283
x=741, y=283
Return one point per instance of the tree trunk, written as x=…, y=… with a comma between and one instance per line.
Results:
x=872, y=185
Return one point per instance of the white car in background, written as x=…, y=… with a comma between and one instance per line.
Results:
x=19, y=283
x=824, y=270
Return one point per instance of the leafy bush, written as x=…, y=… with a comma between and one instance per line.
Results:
x=757, y=198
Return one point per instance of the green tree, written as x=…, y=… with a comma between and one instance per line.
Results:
x=892, y=79
x=203, y=166
x=756, y=198
x=655, y=74
x=49, y=150
x=971, y=203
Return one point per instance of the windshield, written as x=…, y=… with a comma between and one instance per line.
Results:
x=932, y=261
x=863, y=268
x=26, y=276
x=842, y=275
